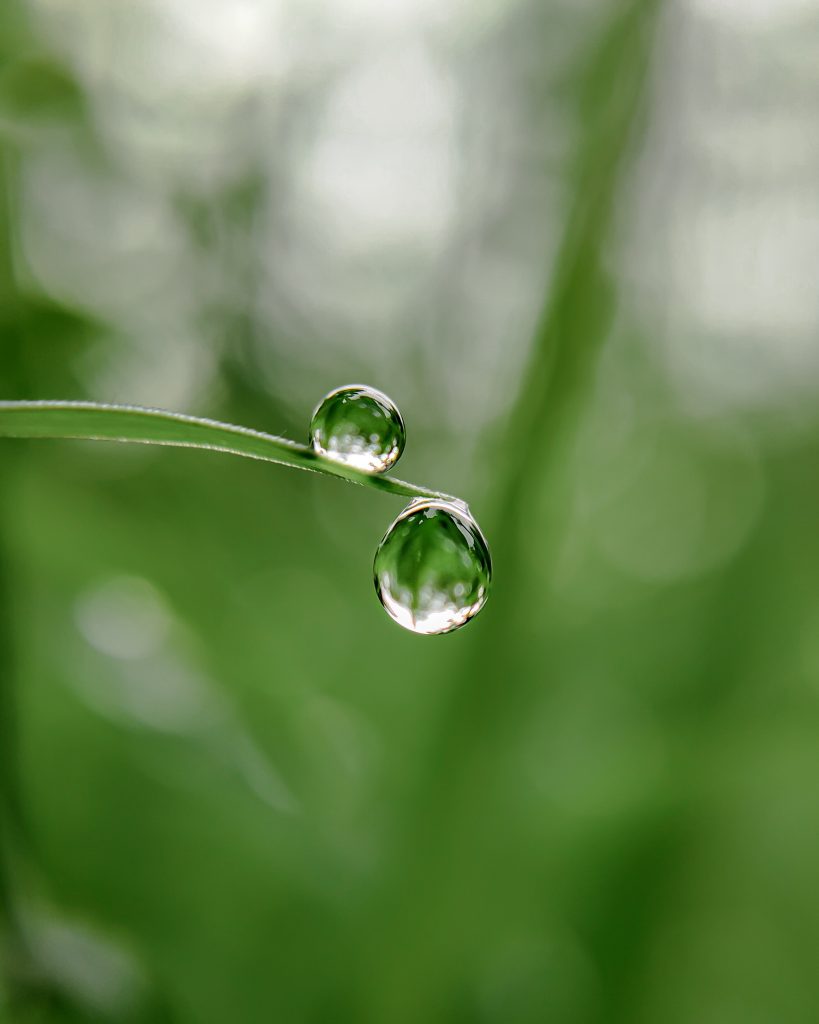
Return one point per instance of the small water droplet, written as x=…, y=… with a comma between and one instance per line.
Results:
x=359, y=427
x=432, y=569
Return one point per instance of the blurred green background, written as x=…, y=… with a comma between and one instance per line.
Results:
x=577, y=243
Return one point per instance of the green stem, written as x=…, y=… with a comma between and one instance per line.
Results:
x=92, y=421
x=12, y=825
x=463, y=823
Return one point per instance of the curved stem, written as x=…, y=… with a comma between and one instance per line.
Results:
x=92, y=421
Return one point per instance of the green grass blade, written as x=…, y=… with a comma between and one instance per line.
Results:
x=91, y=421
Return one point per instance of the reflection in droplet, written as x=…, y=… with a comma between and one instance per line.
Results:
x=359, y=427
x=432, y=569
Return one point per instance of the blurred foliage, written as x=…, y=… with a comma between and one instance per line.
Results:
x=575, y=243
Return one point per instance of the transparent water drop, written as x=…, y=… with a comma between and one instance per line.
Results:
x=359, y=427
x=432, y=569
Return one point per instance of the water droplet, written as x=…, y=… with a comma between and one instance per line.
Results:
x=432, y=569
x=359, y=427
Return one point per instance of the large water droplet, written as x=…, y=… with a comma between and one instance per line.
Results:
x=432, y=569
x=359, y=427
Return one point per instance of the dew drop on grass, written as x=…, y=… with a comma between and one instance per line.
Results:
x=432, y=569
x=359, y=427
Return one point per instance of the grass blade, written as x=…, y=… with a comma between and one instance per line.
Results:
x=92, y=421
